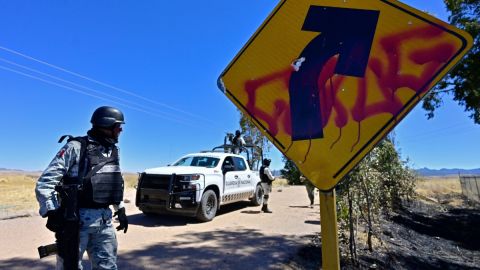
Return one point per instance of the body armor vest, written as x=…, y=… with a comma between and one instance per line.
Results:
x=263, y=177
x=102, y=183
x=105, y=185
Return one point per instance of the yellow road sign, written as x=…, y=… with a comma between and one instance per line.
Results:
x=327, y=80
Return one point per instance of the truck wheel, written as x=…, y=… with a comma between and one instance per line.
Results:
x=208, y=206
x=257, y=196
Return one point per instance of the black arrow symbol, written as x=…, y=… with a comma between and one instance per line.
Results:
x=346, y=32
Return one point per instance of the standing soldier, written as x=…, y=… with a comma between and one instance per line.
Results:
x=77, y=189
x=266, y=178
x=238, y=142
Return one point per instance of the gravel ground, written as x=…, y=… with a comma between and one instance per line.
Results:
x=240, y=237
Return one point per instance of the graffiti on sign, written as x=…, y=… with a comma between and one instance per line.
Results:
x=386, y=72
x=326, y=89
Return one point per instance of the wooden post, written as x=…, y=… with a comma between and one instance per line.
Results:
x=329, y=230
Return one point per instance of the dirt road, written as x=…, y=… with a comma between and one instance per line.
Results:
x=240, y=237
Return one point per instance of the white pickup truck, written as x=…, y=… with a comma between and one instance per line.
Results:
x=198, y=184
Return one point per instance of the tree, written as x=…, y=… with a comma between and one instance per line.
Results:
x=254, y=136
x=396, y=178
x=464, y=79
x=377, y=185
x=291, y=172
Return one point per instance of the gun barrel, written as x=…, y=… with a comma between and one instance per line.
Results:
x=44, y=251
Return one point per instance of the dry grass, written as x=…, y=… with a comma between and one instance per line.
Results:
x=17, y=192
x=131, y=180
x=436, y=189
x=430, y=186
x=280, y=182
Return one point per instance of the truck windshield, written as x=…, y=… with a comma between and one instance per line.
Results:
x=198, y=161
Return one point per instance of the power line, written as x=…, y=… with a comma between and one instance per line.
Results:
x=104, y=84
x=92, y=95
x=90, y=89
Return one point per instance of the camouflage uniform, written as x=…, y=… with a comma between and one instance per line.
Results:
x=97, y=234
x=238, y=142
x=267, y=178
x=267, y=186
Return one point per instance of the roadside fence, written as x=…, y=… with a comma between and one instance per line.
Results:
x=471, y=187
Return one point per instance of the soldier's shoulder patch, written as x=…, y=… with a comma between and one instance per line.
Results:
x=61, y=153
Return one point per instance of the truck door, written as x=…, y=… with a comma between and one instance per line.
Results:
x=230, y=179
x=244, y=174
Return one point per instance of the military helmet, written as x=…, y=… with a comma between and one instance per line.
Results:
x=106, y=117
x=266, y=161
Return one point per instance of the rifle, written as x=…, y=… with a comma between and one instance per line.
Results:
x=68, y=239
x=44, y=251
x=68, y=233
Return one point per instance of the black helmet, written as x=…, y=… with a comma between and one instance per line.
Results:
x=266, y=161
x=237, y=132
x=106, y=117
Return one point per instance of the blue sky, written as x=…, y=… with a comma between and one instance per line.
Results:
x=158, y=61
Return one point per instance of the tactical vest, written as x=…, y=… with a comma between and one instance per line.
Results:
x=102, y=183
x=263, y=177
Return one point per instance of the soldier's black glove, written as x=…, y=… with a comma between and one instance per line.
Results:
x=122, y=218
x=55, y=220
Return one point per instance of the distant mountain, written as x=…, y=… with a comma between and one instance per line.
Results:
x=18, y=171
x=10, y=170
x=445, y=172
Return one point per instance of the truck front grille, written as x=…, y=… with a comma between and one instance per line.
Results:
x=155, y=181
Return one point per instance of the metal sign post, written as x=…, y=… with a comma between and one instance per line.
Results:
x=329, y=230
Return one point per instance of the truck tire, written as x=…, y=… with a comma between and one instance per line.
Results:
x=208, y=206
x=257, y=198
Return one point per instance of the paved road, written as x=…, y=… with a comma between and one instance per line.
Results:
x=240, y=237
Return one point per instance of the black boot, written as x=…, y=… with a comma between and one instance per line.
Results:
x=265, y=209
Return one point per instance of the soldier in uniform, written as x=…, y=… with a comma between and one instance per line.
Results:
x=266, y=178
x=238, y=141
x=98, y=190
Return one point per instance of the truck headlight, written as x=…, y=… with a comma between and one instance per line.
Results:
x=188, y=178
